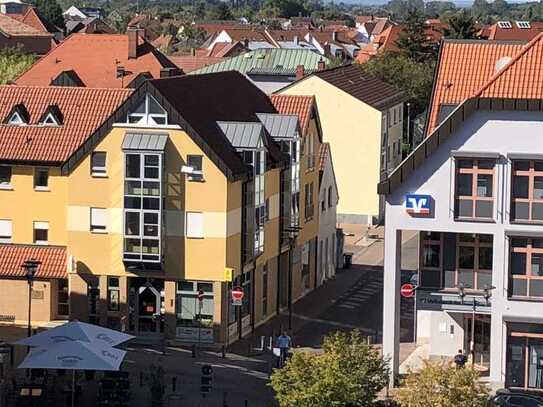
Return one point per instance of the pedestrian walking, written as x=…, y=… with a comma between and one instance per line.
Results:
x=460, y=359
x=284, y=342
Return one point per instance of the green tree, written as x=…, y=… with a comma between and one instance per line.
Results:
x=412, y=77
x=287, y=8
x=13, y=62
x=461, y=26
x=348, y=373
x=441, y=384
x=500, y=8
x=221, y=11
x=412, y=40
x=51, y=11
x=481, y=9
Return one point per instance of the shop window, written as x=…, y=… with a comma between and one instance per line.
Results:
x=41, y=179
x=41, y=232
x=98, y=163
x=474, y=261
x=189, y=309
x=526, y=268
x=113, y=294
x=431, y=259
x=63, y=308
x=474, y=197
x=527, y=200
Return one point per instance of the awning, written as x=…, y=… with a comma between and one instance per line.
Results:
x=145, y=141
x=245, y=135
x=280, y=125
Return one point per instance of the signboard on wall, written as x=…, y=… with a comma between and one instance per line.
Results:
x=451, y=302
x=190, y=334
x=418, y=205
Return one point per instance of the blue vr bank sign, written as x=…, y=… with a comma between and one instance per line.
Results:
x=418, y=204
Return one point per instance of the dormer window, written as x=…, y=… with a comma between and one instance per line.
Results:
x=51, y=117
x=17, y=116
x=148, y=112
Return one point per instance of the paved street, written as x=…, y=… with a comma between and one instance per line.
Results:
x=353, y=299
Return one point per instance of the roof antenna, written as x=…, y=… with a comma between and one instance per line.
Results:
x=28, y=139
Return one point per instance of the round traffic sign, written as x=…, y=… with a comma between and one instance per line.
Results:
x=237, y=293
x=407, y=290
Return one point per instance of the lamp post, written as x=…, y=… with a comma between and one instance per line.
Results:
x=462, y=293
x=30, y=266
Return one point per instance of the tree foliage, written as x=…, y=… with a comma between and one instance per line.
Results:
x=51, y=11
x=221, y=11
x=461, y=26
x=414, y=78
x=442, y=384
x=413, y=41
x=348, y=373
x=13, y=62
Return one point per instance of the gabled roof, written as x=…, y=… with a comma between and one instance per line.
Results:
x=360, y=85
x=53, y=260
x=83, y=111
x=32, y=18
x=514, y=32
x=294, y=104
x=95, y=57
x=281, y=59
x=190, y=63
x=464, y=66
x=13, y=27
x=517, y=86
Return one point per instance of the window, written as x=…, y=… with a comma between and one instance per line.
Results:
x=474, y=261
x=17, y=119
x=142, y=207
x=98, y=163
x=190, y=311
x=246, y=300
x=395, y=115
x=113, y=294
x=474, y=189
x=49, y=120
x=265, y=290
x=329, y=197
x=526, y=268
x=505, y=24
x=195, y=225
x=310, y=151
x=195, y=162
x=527, y=202
x=431, y=259
x=98, y=219
x=148, y=112
x=41, y=179
x=323, y=206
x=63, y=307
x=5, y=231
x=41, y=232
x=5, y=176
x=305, y=265
x=523, y=24
x=93, y=295
x=308, y=211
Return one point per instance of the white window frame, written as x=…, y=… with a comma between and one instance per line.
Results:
x=16, y=119
x=49, y=120
x=98, y=220
x=6, y=230
x=147, y=118
x=196, y=175
x=193, y=230
x=40, y=225
x=96, y=170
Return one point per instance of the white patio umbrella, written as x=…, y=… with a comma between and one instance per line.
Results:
x=74, y=355
x=76, y=331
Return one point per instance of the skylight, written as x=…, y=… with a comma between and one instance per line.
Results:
x=505, y=24
x=523, y=24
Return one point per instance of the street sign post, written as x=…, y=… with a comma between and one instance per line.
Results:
x=414, y=280
x=237, y=296
x=407, y=290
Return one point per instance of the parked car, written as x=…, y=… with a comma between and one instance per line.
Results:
x=506, y=398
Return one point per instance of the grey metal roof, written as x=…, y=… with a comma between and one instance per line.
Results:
x=280, y=125
x=145, y=141
x=243, y=134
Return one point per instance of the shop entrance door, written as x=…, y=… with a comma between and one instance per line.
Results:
x=524, y=367
x=481, y=341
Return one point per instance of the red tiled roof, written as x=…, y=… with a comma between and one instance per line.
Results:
x=189, y=63
x=30, y=17
x=250, y=34
x=323, y=153
x=53, y=260
x=494, y=32
x=464, y=67
x=11, y=26
x=95, y=57
x=294, y=104
x=83, y=110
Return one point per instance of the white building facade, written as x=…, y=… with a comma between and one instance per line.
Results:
x=473, y=190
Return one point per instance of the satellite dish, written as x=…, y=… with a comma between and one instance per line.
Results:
x=500, y=63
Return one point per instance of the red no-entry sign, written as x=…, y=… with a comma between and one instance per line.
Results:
x=237, y=295
x=407, y=290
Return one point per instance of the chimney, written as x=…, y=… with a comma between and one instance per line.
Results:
x=133, y=39
x=193, y=52
x=300, y=72
x=169, y=72
x=295, y=40
x=334, y=35
x=321, y=65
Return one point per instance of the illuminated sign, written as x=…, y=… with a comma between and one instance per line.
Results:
x=418, y=204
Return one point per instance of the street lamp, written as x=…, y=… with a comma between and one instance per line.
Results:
x=462, y=293
x=30, y=266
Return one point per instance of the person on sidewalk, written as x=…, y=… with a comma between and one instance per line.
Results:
x=283, y=343
x=460, y=359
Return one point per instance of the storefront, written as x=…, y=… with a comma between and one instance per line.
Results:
x=146, y=307
x=524, y=363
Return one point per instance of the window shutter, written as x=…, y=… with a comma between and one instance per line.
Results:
x=98, y=218
x=5, y=229
x=41, y=225
x=195, y=224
